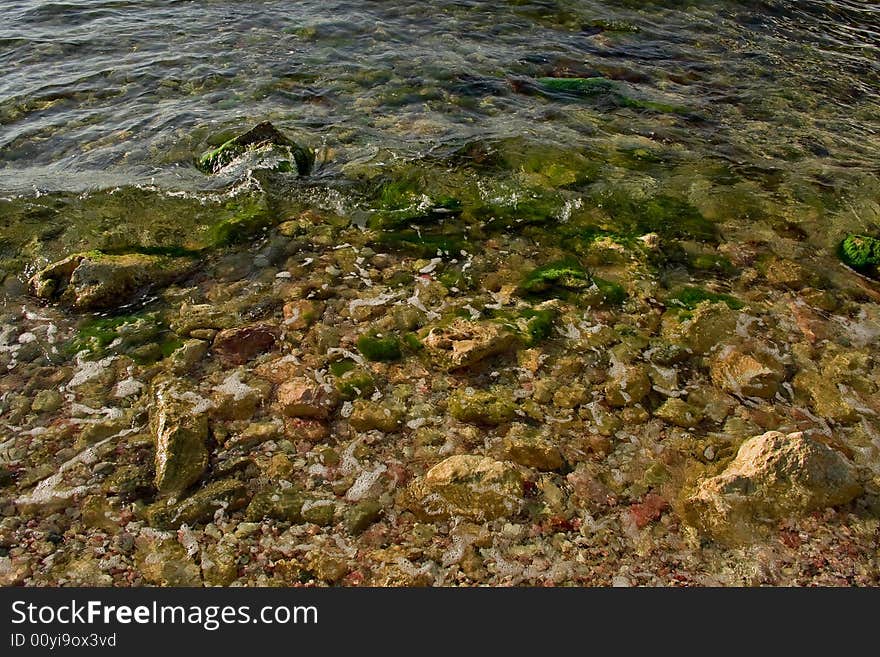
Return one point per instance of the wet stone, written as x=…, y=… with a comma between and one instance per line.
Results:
x=96, y=281
x=199, y=507
x=747, y=374
x=236, y=346
x=463, y=343
x=489, y=407
x=531, y=448
x=306, y=398
x=678, y=412
x=474, y=487
x=385, y=416
x=179, y=423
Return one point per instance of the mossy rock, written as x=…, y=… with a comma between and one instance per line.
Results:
x=98, y=281
x=380, y=348
x=424, y=243
x=690, y=297
x=199, y=508
x=862, y=253
x=263, y=137
x=665, y=215
x=125, y=334
x=242, y=218
x=402, y=203
x=563, y=275
x=488, y=407
x=355, y=383
x=578, y=86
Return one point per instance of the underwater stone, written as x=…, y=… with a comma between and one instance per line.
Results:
x=307, y=398
x=530, y=448
x=751, y=375
x=489, y=407
x=200, y=507
x=97, y=281
x=384, y=416
x=180, y=429
x=236, y=346
x=463, y=343
x=474, y=487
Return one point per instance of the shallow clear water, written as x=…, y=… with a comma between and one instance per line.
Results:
x=102, y=93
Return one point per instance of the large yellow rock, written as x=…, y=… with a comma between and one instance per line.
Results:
x=773, y=476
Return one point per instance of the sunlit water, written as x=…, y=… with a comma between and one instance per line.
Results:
x=777, y=100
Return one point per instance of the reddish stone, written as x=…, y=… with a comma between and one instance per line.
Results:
x=236, y=346
x=648, y=510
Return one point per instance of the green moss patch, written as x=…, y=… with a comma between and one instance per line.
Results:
x=862, y=253
x=690, y=297
x=384, y=349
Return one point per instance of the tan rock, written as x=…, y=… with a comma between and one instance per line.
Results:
x=179, y=424
x=772, y=476
x=628, y=385
x=525, y=446
x=463, y=343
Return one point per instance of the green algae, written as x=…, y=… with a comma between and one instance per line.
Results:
x=377, y=348
x=612, y=293
x=400, y=204
x=244, y=217
x=690, y=297
x=578, y=86
x=423, y=242
x=861, y=252
x=538, y=325
x=144, y=337
x=711, y=263
x=563, y=275
x=665, y=215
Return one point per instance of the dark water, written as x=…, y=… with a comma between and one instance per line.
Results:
x=99, y=93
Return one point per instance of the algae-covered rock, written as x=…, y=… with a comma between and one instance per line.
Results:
x=97, y=281
x=362, y=515
x=463, y=343
x=862, y=253
x=263, y=137
x=710, y=324
x=628, y=385
x=386, y=416
x=474, y=487
x=678, y=412
x=561, y=276
x=200, y=507
x=490, y=407
x=278, y=504
x=179, y=423
x=773, y=476
x=163, y=561
x=578, y=86
x=532, y=449
x=826, y=397
x=379, y=348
